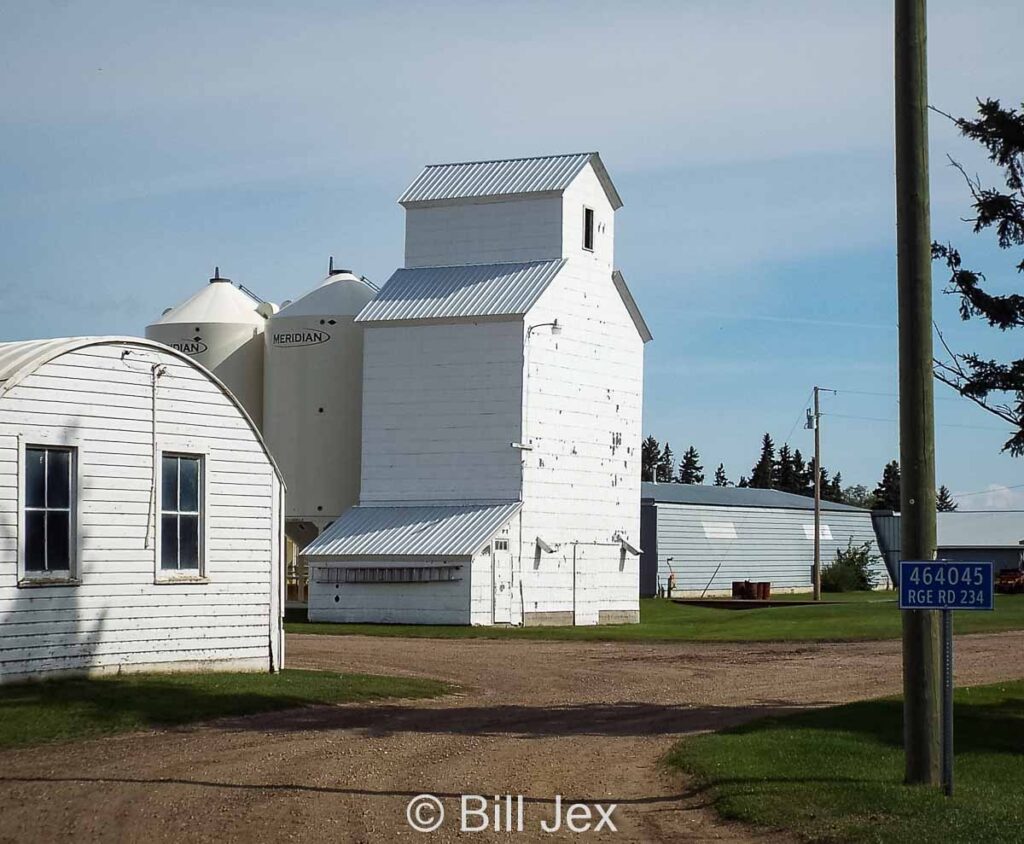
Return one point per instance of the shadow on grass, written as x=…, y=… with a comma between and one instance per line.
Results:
x=72, y=708
x=980, y=727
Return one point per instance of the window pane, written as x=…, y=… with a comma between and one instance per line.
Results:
x=58, y=479
x=189, y=501
x=168, y=542
x=35, y=540
x=58, y=541
x=170, y=484
x=35, y=477
x=189, y=542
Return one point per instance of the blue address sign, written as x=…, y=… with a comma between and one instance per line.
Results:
x=940, y=585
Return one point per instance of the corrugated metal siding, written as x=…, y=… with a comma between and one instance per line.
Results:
x=427, y=531
x=483, y=290
x=770, y=544
x=887, y=529
x=495, y=178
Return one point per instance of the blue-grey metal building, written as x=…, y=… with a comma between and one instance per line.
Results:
x=711, y=536
x=995, y=536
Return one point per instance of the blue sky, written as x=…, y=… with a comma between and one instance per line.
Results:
x=142, y=143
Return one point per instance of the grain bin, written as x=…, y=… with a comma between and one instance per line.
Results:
x=312, y=408
x=221, y=327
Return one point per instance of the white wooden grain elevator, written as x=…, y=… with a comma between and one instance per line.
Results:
x=501, y=407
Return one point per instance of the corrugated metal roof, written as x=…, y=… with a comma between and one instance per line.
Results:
x=26, y=355
x=417, y=531
x=730, y=496
x=476, y=290
x=506, y=177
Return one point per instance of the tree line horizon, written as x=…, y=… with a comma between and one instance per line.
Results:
x=785, y=470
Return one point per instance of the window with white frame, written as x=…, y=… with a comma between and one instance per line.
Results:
x=181, y=513
x=49, y=511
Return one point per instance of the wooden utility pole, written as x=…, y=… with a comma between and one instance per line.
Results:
x=817, y=496
x=921, y=628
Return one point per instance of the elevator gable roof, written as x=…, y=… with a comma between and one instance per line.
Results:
x=506, y=177
x=473, y=290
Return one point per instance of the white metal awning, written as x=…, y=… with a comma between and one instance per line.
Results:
x=411, y=531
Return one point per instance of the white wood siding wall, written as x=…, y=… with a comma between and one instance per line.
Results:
x=771, y=545
x=118, y=617
x=392, y=603
x=483, y=232
x=582, y=478
x=441, y=405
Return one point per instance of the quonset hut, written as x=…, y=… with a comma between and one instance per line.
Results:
x=502, y=391
x=140, y=514
x=710, y=536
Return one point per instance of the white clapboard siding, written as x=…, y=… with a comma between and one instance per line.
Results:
x=448, y=403
x=119, y=617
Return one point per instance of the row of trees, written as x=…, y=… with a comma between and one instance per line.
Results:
x=786, y=470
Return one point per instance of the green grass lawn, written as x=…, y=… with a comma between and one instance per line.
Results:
x=862, y=615
x=836, y=774
x=53, y=710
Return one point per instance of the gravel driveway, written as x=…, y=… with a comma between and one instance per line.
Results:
x=585, y=720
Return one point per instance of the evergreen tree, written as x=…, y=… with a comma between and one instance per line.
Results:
x=944, y=502
x=690, y=470
x=761, y=476
x=997, y=386
x=665, y=470
x=650, y=454
x=887, y=493
x=802, y=477
x=720, y=477
x=744, y=483
x=834, y=490
x=786, y=477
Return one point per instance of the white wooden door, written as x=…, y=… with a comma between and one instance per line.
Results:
x=501, y=561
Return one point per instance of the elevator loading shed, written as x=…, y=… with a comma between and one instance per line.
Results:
x=140, y=514
x=711, y=536
x=502, y=395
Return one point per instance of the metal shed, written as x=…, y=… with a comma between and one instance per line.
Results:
x=995, y=536
x=710, y=536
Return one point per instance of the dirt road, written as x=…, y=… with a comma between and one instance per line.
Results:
x=585, y=720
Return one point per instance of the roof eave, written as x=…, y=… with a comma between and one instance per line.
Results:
x=634, y=310
x=480, y=200
x=606, y=181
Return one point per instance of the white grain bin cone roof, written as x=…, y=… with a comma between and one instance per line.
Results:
x=219, y=302
x=340, y=294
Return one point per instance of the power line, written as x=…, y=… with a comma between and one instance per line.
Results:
x=986, y=492
x=890, y=395
x=799, y=416
x=938, y=424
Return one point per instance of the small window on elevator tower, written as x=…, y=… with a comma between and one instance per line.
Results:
x=588, y=229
